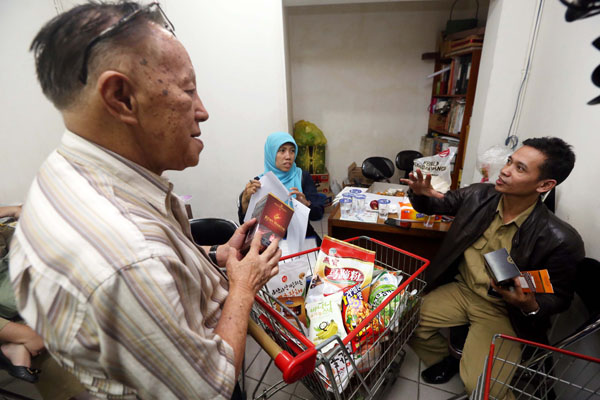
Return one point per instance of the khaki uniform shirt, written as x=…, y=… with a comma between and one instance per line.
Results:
x=471, y=269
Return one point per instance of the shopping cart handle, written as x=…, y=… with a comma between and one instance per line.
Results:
x=292, y=368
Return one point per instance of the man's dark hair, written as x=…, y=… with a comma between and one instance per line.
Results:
x=59, y=46
x=560, y=158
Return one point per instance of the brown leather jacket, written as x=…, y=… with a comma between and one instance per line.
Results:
x=542, y=242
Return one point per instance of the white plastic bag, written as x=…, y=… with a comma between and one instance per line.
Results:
x=439, y=167
x=490, y=162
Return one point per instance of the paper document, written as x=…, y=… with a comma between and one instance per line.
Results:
x=297, y=228
x=268, y=184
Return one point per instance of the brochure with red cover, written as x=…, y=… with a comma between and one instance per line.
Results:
x=273, y=217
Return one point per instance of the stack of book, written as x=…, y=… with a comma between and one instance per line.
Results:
x=449, y=118
x=434, y=143
x=453, y=77
x=455, y=116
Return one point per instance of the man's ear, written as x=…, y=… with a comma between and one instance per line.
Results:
x=116, y=91
x=546, y=185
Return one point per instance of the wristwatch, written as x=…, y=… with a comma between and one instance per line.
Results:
x=212, y=254
x=531, y=313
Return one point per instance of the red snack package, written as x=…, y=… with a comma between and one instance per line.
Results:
x=354, y=311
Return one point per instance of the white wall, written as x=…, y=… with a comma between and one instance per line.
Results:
x=237, y=48
x=554, y=103
x=357, y=73
x=29, y=126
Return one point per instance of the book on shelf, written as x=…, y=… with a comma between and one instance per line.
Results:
x=455, y=116
x=452, y=78
x=435, y=143
x=462, y=83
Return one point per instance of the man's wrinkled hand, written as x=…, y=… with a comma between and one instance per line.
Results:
x=253, y=271
x=237, y=239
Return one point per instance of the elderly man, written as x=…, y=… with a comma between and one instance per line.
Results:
x=509, y=214
x=103, y=264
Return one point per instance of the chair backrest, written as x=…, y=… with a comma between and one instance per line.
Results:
x=378, y=168
x=405, y=159
x=210, y=231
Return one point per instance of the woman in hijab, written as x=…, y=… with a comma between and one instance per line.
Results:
x=280, y=157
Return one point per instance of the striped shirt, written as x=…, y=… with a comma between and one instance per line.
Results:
x=104, y=269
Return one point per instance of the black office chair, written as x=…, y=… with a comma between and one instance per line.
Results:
x=209, y=231
x=405, y=159
x=378, y=168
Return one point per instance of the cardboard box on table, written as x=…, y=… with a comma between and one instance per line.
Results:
x=356, y=177
x=322, y=182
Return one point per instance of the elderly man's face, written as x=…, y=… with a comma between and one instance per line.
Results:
x=169, y=107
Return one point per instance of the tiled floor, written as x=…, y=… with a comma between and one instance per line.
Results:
x=407, y=386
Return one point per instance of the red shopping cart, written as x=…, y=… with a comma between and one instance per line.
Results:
x=345, y=372
x=520, y=369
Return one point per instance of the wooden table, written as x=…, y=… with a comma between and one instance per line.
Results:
x=417, y=239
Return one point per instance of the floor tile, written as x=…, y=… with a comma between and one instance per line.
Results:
x=410, y=366
x=431, y=393
x=403, y=389
x=252, y=350
x=257, y=365
x=454, y=386
x=286, y=393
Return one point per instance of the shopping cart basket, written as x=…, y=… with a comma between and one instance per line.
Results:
x=520, y=369
x=342, y=373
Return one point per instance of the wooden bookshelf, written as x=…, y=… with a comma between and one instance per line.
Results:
x=445, y=133
x=456, y=88
x=450, y=95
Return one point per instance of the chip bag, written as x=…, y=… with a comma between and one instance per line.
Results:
x=354, y=311
x=325, y=320
x=288, y=287
x=340, y=265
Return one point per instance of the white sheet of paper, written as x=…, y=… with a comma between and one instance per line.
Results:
x=296, y=231
x=268, y=184
x=307, y=244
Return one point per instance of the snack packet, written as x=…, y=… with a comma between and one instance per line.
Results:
x=340, y=265
x=288, y=287
x=367, y=358
x=325, y=320
x=342, y=370
x=383, y=286
x=354, y=311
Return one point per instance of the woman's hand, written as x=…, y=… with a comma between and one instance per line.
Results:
x=421, y=186
x=249, y=190
x=301, y=197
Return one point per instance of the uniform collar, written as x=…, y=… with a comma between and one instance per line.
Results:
x=519, y=218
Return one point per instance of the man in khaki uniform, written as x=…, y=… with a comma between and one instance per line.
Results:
x=509, y=214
